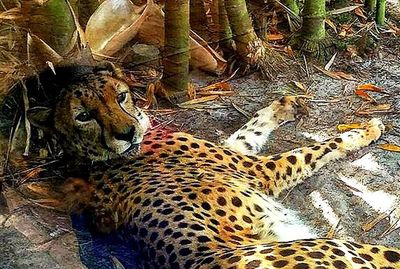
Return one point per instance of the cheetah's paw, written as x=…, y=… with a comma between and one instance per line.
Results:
x=288, y=108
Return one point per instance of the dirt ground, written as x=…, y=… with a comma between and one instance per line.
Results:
x=343, y=196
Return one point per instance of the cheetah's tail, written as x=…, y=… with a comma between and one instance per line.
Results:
x=72, y=196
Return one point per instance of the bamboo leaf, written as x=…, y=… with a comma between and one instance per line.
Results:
x=382, y=108
x=349, y=126
x=389, y=147
x=343, y=10
x=223, y=85
x=198, y=101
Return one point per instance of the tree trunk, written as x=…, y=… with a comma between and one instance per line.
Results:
x=225, y=32
x=198, y=20
x=312, y=38
x=313, y=20
x=292, y=4
x=370, y=4
x=380, y=12
x=175, y=79
x=51, y=21
x=242, y=28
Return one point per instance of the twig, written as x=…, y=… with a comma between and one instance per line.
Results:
x=241, y=111
x=306, y=66
x=27, y=123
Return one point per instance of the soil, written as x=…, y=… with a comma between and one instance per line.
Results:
x=343, y=196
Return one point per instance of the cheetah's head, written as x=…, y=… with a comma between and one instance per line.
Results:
x=94, y=118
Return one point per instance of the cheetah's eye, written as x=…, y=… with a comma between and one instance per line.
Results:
x=122, y=97
x=83, y=117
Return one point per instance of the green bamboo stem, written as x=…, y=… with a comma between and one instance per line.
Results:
x=313, y=20
x=370, y=4
x=380, y=12
x=242, y=28
x=292, y=4
x=225, y=32
x=175, y=79
x=51, y=21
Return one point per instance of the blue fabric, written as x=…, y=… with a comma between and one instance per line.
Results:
x=96, y=249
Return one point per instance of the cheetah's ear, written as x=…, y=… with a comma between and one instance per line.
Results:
x=41, y=117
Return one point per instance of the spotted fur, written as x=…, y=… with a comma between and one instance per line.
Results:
x=189, y=203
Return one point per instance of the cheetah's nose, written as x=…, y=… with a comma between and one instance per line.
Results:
x=127, y=135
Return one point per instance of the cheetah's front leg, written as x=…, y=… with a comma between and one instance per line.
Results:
x=251, y=137
x=290, y=168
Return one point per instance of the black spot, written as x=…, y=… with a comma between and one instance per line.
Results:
x=219, y=156
x=220, y=212
x=241, y=137
x=247, y=164
x=289, y=171
x=236, y=202
x=326, y=151
x=280, y=263
x=338, y=140
x=357, y=260
x=195, y=145
x=205, y=206
x=248, y=146
x=247, y=219
x=178, y=218
x=316, y=148
x=184, y=148
x=206, y=191
x=156, y=146
x=253, y=264
x=197, y=227
x=301, y=266
x=374, y=250
x=234, y=259
x=316, y=255
x=185, y=251
x=270, y=165
x=308, y=158
x=339, y=264
x=299, y=258
x=221, y=201
x=333, y=145
x=292, y=159
x=392, y=256
x=287, y=252
x=163, y=224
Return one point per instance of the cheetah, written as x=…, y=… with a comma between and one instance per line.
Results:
x=190, y=203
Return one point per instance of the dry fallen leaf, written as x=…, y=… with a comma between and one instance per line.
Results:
x=331, y=24
x=360, y=13
x=346, y=30
x=289, y=51
x=198, y=100
x=223, y=85
x=382, y=108
x=352, y=49
x=389, y=147
x=11, y=14
x=274, y=37
x=350, y=126
x=335, y=74
x=361, y=91
x=394, y=29
x=300, y=86
x=369, y=87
